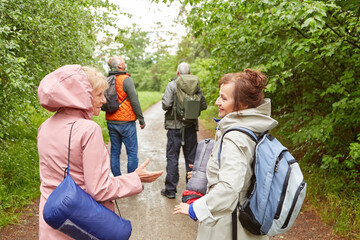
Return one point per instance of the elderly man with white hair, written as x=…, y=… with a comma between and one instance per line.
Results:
x=121, y=123
x=180, y=134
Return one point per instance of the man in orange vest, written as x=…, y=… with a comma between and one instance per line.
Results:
x=121, y=123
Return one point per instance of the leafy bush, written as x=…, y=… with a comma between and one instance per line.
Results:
x=19, y=166
x=335, y=197
x=37, y=37
x=310, y=51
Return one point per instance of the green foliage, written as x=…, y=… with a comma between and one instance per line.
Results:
x=131, y=44
x=19, y=176
x=209, y=76
x=337, y=202
x=36, y=37
x=150, y=71
x=163, y=70
x=354, y=154
x=206, y=118
x=102, y=123
x=310, y=51
x=19, y=167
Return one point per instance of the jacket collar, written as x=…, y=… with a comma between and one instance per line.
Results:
x=118, y=73
x=256, y=119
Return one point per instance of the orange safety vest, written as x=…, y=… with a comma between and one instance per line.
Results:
x=125, y=111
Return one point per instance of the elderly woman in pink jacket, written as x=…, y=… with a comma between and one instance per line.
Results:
x=76, y=93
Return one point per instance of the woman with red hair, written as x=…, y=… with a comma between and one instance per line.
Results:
x=241, y=103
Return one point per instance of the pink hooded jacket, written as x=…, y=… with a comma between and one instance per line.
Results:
x=68, y=92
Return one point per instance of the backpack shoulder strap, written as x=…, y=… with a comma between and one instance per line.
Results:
x=110, y=78
x=67, y=170
x=248, y=132
x=252, y=135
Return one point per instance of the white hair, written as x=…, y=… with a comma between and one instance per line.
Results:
x=183, y=68
x=95, y=77
x=115, y=63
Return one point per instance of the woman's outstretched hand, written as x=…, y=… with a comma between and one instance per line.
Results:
x=146, y=176
x=189, y=174
x=182, y=208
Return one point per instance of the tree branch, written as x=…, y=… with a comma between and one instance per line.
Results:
x=352, y=43
x=319, y=52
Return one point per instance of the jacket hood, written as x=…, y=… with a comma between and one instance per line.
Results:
x=256, y=119
x=66, y=87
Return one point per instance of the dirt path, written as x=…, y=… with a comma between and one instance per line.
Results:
x=151, y=213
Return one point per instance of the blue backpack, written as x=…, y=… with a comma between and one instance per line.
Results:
x=277, y=191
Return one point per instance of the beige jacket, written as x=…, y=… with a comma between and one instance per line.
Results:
x=229, y=184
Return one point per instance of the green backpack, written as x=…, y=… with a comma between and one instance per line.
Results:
x=187, y=100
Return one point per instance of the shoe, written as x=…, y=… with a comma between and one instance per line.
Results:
x=168, y=195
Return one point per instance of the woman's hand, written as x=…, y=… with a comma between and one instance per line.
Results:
x=182, y=208
x=146, y=176
x=189, y=174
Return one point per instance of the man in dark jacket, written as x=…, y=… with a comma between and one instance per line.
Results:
x=174, y=135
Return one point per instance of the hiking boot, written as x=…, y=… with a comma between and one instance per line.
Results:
x=167, y=194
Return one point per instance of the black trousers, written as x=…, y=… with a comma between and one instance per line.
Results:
x=172, y=155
